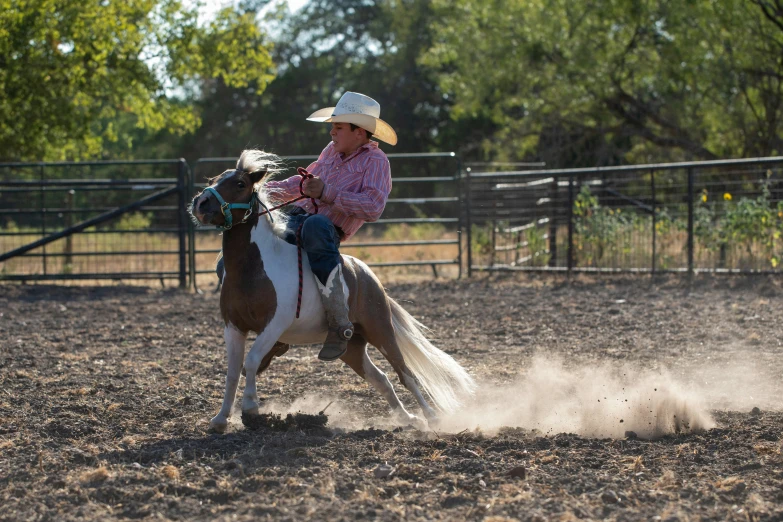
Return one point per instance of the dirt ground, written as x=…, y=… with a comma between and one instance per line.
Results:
x=106, y=393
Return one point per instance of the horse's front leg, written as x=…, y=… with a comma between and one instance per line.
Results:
x=235, y=350
x=261, y=348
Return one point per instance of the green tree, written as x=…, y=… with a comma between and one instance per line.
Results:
x=604, y=81
x=77, y=77
x=322, y=50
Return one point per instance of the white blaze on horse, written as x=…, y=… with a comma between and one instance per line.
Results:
x=259, y=293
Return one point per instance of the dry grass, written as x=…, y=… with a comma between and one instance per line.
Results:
x=628, y=249
x=436, y=455
x=769, y=448
x=549, y=459
x=170, y=472
x=638, y=464
x=729, y=483
x=634, y=464
x=668, y=481
x=140, y=261
x=96, y=475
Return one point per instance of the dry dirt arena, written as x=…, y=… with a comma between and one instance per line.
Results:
x=617, y=398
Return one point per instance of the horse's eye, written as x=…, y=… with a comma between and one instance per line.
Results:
x=241, y=184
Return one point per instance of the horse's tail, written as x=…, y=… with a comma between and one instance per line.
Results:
x=444, y=380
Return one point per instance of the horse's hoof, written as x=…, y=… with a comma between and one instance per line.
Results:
x=217, y=426
x=419, y=423
x=432, y=419
x=433, y=423
x=251, y=412
x=410, y=419
x=252, y=420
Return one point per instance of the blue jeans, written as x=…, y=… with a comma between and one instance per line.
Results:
x=320, y=240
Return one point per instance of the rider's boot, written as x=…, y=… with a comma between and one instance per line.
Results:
x=334, y=295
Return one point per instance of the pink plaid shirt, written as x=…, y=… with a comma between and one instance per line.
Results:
x=356, y=187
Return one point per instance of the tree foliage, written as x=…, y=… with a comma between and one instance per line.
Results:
x=77, y=77
x=570, y=83
x=606, y=81
x=323, y=50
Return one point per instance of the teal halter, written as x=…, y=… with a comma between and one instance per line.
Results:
x=226, y=208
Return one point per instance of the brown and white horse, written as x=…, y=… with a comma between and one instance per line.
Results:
x=259, y=294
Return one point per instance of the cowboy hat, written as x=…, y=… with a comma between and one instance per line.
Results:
x=360, y=110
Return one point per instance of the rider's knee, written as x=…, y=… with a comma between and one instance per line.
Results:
x=317, y=223
x=318, y=230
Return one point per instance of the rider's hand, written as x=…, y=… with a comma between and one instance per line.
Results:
x=313, y=187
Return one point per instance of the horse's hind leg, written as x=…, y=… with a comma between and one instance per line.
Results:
x=384, y=339
x=410, y=382
x=356, y=357
x=235, y=349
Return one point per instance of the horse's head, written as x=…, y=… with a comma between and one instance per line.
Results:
x=230, y=198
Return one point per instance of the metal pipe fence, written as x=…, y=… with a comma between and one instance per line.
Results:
x=421, y=225
x=716, y=216
x=127, y=219
x=93, y=220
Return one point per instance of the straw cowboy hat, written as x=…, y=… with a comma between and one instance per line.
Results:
x=360, y=110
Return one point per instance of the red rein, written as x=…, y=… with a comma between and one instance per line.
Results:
x=305, y=175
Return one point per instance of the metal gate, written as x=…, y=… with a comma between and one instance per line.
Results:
x=116, y=220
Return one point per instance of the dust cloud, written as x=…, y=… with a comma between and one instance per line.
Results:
x=740, y=382
x=596, y=400
x=603, y=400
x=611, y=399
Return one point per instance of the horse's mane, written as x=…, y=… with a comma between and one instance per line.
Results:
x=253, y=160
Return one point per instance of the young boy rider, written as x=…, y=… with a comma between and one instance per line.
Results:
x=351, y=183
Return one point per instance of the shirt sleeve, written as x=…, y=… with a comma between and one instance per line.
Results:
x=369, y=202
x=283, y=190
x=288, y=189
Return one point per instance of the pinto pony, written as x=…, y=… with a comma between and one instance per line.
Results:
x=260, y=291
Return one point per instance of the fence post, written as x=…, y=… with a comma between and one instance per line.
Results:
x=43, y=216
x=468, y=221
x=553, y=224
x=459, y=217
x=690, y=220
x=652, y=191
x=570, y=252
x=493, y=249
x=182, y=223
x=192, y=230
x=68, y=224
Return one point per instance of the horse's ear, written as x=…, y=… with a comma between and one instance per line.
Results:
x=257, y=175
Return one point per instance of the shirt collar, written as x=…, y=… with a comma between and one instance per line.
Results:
x=367, y=146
